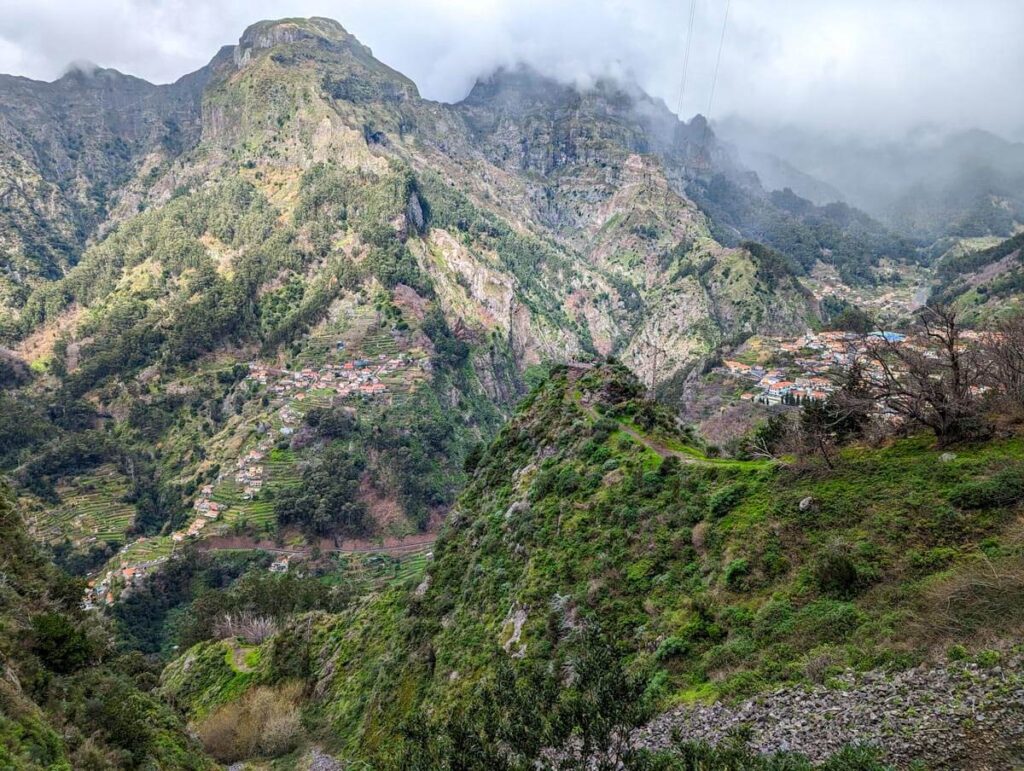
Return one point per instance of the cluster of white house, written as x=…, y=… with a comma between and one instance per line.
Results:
x=817, y=355
x=250, y=473
x=100, y=591
x=814, y=355
x=207, y=510
x=353, y=377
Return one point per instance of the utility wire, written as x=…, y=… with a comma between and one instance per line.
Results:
x=714, y=78
x=686, y=59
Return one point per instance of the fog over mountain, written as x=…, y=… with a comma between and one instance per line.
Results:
x=924, y=168
x=872, y=69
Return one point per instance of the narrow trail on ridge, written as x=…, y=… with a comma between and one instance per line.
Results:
x=659, y=448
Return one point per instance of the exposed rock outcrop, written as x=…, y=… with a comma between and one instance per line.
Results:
x=961, y=716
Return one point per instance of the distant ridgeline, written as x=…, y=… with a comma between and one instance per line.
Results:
x=984, y=279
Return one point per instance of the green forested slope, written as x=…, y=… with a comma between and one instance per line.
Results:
x=985, y=280
x=594, y=534
x=325, y=211
x=67, y=698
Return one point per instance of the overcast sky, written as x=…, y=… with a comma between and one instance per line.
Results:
x=872, y=67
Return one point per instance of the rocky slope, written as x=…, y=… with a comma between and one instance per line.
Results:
x=959, y=716
x=68, y=150
x=315, y=212
x=600, y=175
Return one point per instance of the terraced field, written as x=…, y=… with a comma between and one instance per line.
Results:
x=321, y=346
x=315, y=397
x=92, y=509
x=144, y=550
x=401, y=384
x=281, y=470
x=371, y=571
x=258, y=514
x=412, y=565
x=379, y=343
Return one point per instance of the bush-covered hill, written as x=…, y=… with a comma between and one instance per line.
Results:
x=985, y=280
x=599, y=567
x=68, y=699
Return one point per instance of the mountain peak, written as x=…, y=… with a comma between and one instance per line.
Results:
x=275, y=32
x=271, y=32
x=86, y=73
x=83, y=67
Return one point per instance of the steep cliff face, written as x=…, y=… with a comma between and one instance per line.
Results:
x=606, y=170
x=593, y=235
x=66, y=150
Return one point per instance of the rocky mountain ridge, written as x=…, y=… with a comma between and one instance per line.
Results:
x=927, y=184
x=365, y=113
x=67, y=150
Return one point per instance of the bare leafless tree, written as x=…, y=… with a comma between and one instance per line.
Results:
x=852, y=402
x=246, y=626
x=820, y=430
x=932, y=377
x=1004, y=347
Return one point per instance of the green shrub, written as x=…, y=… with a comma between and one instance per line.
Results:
x=931, y=560
x=745, y=683
x=1002, y=489
x=568, y=481
x=826, y=621
x=987, y=658
x=956, y=653
x=726, y=499
x=735, y=573
x=775, y=619
x=672, y=647
x=837, y=575
x=59, y=644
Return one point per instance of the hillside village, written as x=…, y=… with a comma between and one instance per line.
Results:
x=296, y=391
x=220, y=503
x=794, y=370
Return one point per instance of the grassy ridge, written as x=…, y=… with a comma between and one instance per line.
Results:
x=710, y=580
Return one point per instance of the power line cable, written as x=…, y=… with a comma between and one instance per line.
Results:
x=686, y=59
x=714, y=77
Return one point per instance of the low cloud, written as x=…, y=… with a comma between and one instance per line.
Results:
x=870, y=68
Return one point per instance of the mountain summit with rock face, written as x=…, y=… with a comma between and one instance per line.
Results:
x=554, y=163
